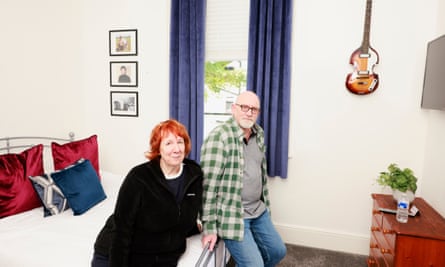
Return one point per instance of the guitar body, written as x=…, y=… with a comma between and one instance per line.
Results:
x=363, y=80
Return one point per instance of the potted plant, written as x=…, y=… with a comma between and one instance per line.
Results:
x=399, y=180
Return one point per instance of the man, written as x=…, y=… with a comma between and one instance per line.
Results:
x=123, y=77
x=236, y=198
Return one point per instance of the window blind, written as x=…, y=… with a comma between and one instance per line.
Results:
x=227, y=27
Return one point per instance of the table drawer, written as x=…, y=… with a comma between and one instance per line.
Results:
x=388, y=233
x=381, y=251
x=375, y=258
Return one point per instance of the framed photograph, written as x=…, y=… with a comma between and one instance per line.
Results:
x=124, y=73
x=123, y=42
x=124, y=103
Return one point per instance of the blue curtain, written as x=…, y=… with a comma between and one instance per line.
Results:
x=187, y=36
x=268, y=75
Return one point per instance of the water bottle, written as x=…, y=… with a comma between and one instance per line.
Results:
x=402, y=208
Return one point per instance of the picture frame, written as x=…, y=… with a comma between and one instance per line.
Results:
x=123, y=73
x=123, y=42
x=124, y=103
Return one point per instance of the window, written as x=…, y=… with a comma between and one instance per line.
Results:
x=226, y=58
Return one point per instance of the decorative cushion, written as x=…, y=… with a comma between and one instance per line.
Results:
x=34, y=160
x=54, y=202
x=66, y=154
x=80, y=185
x=16, y=191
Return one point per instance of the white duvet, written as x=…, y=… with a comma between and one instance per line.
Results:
x=31, y=240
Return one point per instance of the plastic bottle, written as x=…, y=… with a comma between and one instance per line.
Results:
x=402, y=208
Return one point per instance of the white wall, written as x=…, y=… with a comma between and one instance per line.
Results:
x=339, y=141
x=124, y=140
x=41, y=89
x=434, y=183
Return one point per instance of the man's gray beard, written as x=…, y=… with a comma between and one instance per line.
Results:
x=246, y=124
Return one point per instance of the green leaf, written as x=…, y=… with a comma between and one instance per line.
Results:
x=397, y=178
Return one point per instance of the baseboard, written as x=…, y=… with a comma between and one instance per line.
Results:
x=319, y=238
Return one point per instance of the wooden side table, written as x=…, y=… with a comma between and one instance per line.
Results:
x=418, y=243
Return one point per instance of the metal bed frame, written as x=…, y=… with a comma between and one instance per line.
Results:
x=219, y=254
x=7, y=143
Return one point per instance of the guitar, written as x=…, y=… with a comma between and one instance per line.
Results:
x=363, y=80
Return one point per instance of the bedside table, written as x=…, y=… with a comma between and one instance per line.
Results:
x=418, y=243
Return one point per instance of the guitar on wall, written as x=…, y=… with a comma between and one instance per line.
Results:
x=363, y=80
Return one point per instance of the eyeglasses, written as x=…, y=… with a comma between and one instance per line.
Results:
x=246, y=108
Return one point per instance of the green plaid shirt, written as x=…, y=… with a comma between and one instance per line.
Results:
x=222, y=163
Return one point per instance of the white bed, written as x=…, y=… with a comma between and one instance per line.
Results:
x=28, y=239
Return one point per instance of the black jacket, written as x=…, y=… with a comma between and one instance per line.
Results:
x=147, y=220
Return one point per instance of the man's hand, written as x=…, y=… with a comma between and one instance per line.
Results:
x=209, y=239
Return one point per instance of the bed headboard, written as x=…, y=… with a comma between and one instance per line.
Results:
x=15, y=143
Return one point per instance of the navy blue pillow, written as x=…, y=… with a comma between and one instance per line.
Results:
x=81, y=186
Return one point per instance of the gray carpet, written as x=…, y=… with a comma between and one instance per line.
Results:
x=299, y=256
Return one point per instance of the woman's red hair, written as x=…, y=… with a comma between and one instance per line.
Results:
x=161, y=130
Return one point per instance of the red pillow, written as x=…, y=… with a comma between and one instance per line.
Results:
x=16, y=191
x=67, y=154
x=34, y=161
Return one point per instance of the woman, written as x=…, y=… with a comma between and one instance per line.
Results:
x=157, y=206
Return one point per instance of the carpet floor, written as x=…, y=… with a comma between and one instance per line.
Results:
x=300, y=256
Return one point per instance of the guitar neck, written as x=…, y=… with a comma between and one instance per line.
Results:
x=367, y=28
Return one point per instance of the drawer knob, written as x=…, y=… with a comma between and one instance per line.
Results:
x=374, y=245
x=385, y=250
x=375, y=228
x=388, y=231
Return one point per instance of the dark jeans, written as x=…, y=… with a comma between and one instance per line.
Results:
x=148, y=261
